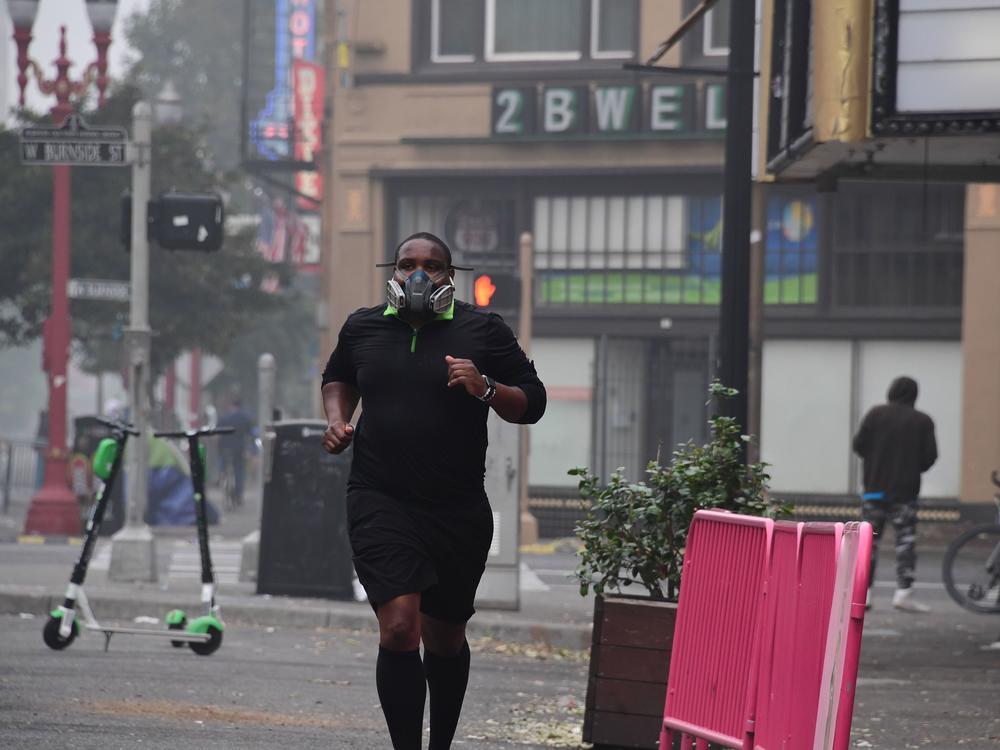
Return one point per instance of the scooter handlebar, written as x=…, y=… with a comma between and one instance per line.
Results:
x=196, y=433
x=125, y=427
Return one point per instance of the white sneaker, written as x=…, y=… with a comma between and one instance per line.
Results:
x=903, y=600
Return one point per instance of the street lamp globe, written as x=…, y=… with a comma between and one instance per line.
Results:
x=22, y=13
x=168, y=108
x=102, y=14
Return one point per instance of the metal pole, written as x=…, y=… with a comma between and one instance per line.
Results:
x=526, y=262
x=266, y=385
x=9, y=450
x=758, y=240
x=734, y=313
x=133, y=550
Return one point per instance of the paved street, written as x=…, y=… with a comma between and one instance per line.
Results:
x=265, y=687
x=926, y=680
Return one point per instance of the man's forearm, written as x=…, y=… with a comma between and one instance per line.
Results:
x=339, y=402
x=510, y=403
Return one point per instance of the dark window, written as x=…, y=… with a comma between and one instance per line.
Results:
x=455, y=31
x=898, y=245
x=528, y=29
x=707, y=42
x=615, y=28
x=516, y=31
x=715, y=34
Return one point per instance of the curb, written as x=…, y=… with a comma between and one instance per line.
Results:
x=287, y=613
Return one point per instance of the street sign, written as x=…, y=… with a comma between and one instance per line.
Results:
x=74, y=142
x=101, y=289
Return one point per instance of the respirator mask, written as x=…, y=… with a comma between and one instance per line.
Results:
x=417, y=295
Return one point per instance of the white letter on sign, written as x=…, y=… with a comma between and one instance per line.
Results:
x=511, y=105
x=613, y=107
x=559, y=113
x=665, y=107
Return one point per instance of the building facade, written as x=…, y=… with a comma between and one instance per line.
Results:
x=481, y=121
x=900, y=99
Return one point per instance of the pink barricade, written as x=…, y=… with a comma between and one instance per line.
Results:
x=717, y=631
x=794, y=660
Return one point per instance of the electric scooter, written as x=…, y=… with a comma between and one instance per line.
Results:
x=204, y=633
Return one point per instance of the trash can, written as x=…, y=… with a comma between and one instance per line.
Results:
x=87, y=435
x=304, y=548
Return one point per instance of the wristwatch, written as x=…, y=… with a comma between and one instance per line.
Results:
x=491, y=390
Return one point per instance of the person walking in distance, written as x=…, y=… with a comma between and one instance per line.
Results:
x=896, y=444
x=427, y=369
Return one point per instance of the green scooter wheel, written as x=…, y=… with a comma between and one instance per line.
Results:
x=176, y=620
x=51, y=636
x=213, y=628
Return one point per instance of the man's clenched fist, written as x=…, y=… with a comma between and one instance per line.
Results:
x=337, y=437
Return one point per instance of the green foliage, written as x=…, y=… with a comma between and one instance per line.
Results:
x=637, y=532
x=25, y=244
x=200, y=50
x=203, y=300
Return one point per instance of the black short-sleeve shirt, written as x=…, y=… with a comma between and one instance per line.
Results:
x=417, y=439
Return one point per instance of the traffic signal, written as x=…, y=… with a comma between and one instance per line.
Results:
x=497, y=291
x=178, y=221
x=189, y=221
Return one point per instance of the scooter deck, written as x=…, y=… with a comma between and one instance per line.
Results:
x=174, y=635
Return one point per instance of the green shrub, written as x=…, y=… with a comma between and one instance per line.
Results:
x=636, y=532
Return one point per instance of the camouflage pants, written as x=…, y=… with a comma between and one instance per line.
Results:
x=903, y=515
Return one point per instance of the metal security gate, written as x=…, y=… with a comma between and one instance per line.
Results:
x=650, y=395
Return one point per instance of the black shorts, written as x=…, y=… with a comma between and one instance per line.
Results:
x=403, y=548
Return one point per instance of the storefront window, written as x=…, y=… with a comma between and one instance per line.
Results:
x=791, y=255
x=631, y=249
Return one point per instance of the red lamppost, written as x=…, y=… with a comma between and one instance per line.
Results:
x=54, y=508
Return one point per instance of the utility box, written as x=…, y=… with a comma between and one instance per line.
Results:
x=304, y=547
x=500, y=586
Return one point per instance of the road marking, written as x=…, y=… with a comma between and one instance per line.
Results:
x=102, y=560
x=531, y=582
x=185, y=561
x=881, y=633
x=871, y=681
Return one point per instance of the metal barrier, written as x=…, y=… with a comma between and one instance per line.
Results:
x=747, y=668
x=715, y=651
x=20, y=461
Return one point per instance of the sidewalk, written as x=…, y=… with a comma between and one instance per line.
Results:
x=34, y=572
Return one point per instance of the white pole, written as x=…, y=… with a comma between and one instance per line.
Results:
x=133, y=549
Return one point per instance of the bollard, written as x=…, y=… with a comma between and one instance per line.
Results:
x=266, y=384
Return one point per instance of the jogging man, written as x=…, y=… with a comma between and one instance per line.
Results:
x=427, y=369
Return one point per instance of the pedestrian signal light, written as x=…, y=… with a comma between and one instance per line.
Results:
x=497, y=291
x=484, y=289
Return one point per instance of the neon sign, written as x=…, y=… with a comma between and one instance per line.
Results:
x=273, y=131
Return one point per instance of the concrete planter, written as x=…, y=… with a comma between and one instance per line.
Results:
x=629, y=664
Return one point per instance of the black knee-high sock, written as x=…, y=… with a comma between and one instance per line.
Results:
x=447, y=678
x=402, y=690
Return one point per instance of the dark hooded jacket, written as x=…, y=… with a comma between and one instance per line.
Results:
x=896, y=443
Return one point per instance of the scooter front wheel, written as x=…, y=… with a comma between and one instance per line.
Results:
x=213, y=628
x=51, y=636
